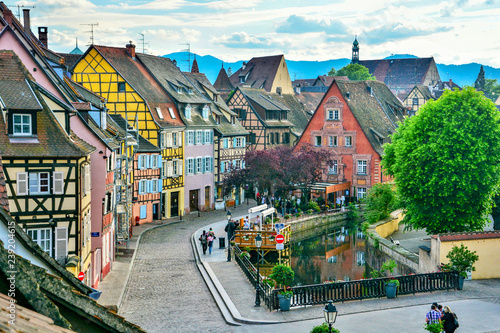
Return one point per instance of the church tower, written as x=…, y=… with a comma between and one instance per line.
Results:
x=355, y=51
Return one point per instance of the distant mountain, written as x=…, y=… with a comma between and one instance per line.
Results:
x=461, y=74
x=400, y=56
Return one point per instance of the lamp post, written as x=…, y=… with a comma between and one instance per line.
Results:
x=330, y=313
x=258, y=244
x=229, y=235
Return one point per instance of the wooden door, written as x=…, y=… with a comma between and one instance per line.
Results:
x=207, y=197
x=174, y=204
x=193, y=200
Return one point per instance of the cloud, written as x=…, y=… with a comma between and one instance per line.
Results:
x=397, y=30
x=298, y=25
x=191, y=35
x=244, y=40
x=162, y=34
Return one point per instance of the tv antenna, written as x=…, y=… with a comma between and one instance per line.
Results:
x=188, y=50
x=19, y=10
x=91, y=31
x=143, y=43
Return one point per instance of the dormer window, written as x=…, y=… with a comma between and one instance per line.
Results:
x=205, y=111
x=21, y=124
x=217, y=119
x=189, y=90
x=233, y=121
x=187, y=111
x=242, y=79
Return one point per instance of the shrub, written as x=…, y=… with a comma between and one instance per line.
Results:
x=434, y=328
x=314, y=206
x=323, y=328
x=283, y=275
x=380, y=201
x=287, y=216
x=461, y=259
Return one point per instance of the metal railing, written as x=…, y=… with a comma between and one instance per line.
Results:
x=347, y=291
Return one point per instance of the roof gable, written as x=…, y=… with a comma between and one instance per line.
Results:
x=259, y=73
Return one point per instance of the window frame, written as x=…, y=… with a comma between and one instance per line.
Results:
x=316, y=139
x=350, y=141
x=362, y=165
x=22, y=124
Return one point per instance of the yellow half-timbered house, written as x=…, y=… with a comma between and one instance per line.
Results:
x=47, y=167
x=119, y=76
x=417, y=97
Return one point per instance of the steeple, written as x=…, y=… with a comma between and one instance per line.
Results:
x=355, y=51
x=76, y=50
x=194, y=67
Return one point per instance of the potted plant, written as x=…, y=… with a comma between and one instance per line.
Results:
x=287, y=216
x=283, y=275
x=323, y=328
x=391, y=285
x=434, y=328
x=269, y=283
x=244, y=255
x=461, y=260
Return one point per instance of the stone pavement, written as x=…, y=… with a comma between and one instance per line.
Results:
x=166, y=293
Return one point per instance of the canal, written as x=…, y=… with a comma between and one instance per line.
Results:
x=333, y=256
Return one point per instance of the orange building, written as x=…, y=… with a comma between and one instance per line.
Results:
x=354, y=119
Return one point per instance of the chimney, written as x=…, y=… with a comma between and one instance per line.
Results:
x=7, y=15
x=244, y=65
x=279, y=90
x=131, y=49
x=451, y=83
x=27, y=27
x=42, y=36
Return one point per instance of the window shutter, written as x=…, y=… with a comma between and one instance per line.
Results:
x=211, y=164
x=243, y=142
x=234, y=142
x=152, y=159
x=61, y=242
x=203, y=141
x=170, y=170
x=139, y=162
x=87, y=178
x=140, y=186
x=22, y=183
x=58, y=183
x=204, y=165
x=211, y=136
x=160, y=185
x=179, y=139
x=158, y=163
x=143, y=212
x=243, y=164
x=225, y=142
x=148, y=186
x=146, y=162
x=179, y=168
x=222, y=167
x=169, y=139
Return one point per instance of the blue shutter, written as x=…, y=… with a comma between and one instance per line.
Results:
x=148, y=186
x=159, y=160
x=222, y=167
x=203, y=161
x=243, y=164
x=152, y=160
x=146, y=159
x=211, y=136
x=234, y=142
x=139, y=160
x=160, y=185
x=244, y=141
x=144, y=212
x=211, y=164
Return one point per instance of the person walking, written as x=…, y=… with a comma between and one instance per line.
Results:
x=210, y=239
x=450, y=320
x=204, y=242
x=433, y=316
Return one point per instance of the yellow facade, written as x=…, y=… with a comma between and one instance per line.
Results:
x=96, y=74
x=282, y=79
x=488, y=249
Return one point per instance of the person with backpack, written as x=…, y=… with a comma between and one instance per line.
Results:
x=450, y=320
x=204, y=241
x=210, y=239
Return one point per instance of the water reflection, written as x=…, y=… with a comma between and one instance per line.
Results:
x=329, y=257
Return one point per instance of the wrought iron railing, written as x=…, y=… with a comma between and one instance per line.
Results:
x=347, y=291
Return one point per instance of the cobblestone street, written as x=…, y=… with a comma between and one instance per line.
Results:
x=166, y=292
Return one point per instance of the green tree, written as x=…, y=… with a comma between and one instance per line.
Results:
x=354, y=72
x=480, y=80
x=446, y=162
x=462, y=259
x=491, y=89
x=379, y=201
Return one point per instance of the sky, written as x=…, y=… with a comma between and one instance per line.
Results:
x=454, y=31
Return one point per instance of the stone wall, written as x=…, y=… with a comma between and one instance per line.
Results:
x=308, y=226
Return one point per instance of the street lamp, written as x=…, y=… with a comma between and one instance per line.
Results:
x=258, y=244
x=229, y=235
x=330, y=313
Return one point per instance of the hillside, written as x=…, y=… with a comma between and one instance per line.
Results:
x=461, y=74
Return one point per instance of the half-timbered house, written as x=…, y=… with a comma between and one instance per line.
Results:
x=263, y=116
x=119, y=75
x=417, y=97
x=229, y=139
x=354, y=120
x=196, y=113
x=47, y=167
x=147, y=188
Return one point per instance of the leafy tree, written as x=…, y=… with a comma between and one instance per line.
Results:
x=495, y=213
x=480, y=80
x=281, y=169
x=380, y=201
x=354, y=72
x=446, y=162
x=491, y=89
x=352, y=220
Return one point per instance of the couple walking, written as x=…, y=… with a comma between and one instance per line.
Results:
x=438, y=314
x=207, y=240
